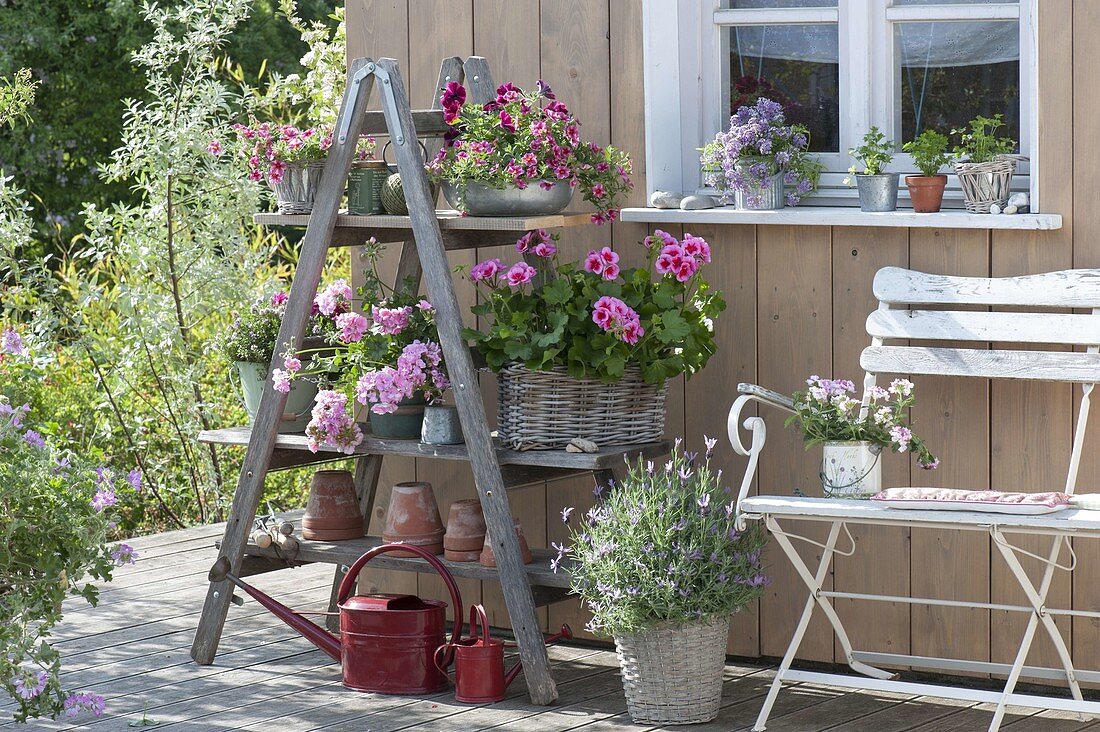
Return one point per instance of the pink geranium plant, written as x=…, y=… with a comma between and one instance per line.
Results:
x=524, y=139
x=387, y=354
x=269, y=148
x=596, y=316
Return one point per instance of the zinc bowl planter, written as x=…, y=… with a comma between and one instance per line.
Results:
x=753, y=196
x=479, y=199
x=672, y=672
x=545, y=410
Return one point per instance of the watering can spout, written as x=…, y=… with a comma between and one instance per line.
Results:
x=311, y=632
x=566, y=633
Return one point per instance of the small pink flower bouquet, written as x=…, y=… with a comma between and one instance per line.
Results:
x=596, y=317
x=270, y=148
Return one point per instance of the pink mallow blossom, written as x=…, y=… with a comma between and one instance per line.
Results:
x=331, y=425
x=124, y=554
x=353, y=327
x=77, y=703
x=30, y=684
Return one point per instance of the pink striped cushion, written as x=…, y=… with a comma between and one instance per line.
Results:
x=974, y=500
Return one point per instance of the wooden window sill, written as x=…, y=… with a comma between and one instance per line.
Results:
x=845, y=216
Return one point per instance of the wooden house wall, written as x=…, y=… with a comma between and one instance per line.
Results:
x=798, y=297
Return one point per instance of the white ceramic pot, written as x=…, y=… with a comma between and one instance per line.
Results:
x=851, y=469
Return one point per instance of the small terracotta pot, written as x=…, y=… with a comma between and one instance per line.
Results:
x=465, y=531
x=926, y=192
x=332, y=512
x=489, y=559
x=413, y=518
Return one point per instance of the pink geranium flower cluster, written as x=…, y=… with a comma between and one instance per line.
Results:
x=334, y=299
x=539, y=242
x=391, y=321
x=614, y=315
x=604, y=262
x=331, y=424
x=680, y=259
x=269, y=148
x=418, y=366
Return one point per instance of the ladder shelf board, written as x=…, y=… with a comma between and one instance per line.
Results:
x=346, y=552
x=607, y=457
x=448, y=221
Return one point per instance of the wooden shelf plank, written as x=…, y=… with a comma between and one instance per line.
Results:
x=448, y=221
x=346, y=552
x=608, y=457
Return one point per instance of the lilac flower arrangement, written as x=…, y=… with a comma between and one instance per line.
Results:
x=595, y=318
x=661, y=546
x=827, y=411
x=269, y=148
x=57, y=512
x=380, y=358
x=759, y=145
x=527, y=138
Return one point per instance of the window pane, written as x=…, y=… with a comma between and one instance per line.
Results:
x=950, y=72
x=740, y=4
x=952, y=2
x=795, y=65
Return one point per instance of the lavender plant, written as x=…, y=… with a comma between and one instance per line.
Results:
x=661, y=546
x=758, y=146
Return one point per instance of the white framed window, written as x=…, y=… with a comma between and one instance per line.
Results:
x=838, y=67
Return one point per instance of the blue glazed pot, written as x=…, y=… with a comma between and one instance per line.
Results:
x=404, y=424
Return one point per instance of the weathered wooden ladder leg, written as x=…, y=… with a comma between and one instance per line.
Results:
x=479, y=443
x=314, y=249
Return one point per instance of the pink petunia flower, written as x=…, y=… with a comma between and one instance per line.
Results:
x=215, y=148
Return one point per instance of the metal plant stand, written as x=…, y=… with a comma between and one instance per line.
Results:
x=426, y=235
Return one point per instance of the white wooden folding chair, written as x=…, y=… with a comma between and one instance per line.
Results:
x=901, y=293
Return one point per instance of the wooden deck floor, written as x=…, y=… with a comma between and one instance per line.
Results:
x=134, y=650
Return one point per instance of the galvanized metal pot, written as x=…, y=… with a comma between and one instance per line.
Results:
x=478, y=199
x=298, y=187
x=878, y=193
x=441, y=426
x=770, y=196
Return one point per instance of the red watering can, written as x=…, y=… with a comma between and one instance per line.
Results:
x=479, y=661
x=388, y=643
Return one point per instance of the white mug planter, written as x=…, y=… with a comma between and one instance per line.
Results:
x=851, y=469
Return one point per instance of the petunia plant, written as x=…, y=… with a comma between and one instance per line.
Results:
x=523, y=139
x=595, y=318
x=380, y=358
x=57, y=509
x=661, y=546
x=827, y=411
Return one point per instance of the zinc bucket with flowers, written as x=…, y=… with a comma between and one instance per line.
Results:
x=854, y=432
x=587, y=351
x=661, y=566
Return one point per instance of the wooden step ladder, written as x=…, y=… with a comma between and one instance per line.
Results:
x=426, y=235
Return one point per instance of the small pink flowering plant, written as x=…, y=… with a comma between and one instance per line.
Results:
x=595, y=317
x=269, y=148
x=523, y=139
x=661, y=545
x=380, y=358
x=827, y=411
x=57, y=510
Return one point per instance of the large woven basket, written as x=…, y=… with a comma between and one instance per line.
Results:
x=985, y=184
x=298, y=188
x=672, y=673
x=544, y=410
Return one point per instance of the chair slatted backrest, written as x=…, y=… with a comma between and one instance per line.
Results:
x=904, y=296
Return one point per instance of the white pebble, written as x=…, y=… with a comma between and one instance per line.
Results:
x=695, y=203
x=1010, y=209
x=995, y=209
x=1018, y=199
x=664, y=199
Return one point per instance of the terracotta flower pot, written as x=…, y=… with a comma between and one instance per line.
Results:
x=488, y=559
x=926, y=192
x=332, y=513
x=465, y=531
x=413, y=518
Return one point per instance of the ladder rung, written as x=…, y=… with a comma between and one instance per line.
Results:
x=428, y=123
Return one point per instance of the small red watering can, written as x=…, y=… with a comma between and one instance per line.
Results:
x=479, y=661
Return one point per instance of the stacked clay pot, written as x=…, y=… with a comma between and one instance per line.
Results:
x=488, y=559
x=413, y=518
x=332, y=512
x=465, y=531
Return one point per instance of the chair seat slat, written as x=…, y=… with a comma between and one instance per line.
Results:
x=942, y=325
x=1076, y=288
x=1081, y=368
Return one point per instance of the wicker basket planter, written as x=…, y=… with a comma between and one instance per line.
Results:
x=544, y=410
x=985, y=184
x=298, y=187
x=672, y=673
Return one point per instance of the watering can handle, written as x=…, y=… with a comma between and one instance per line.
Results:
x=478, y=617
x=347, y=586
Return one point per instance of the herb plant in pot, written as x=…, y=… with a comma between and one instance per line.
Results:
x=985, y=164
x=929, y=151
x=521, y=154
x=387, y=358
x=854, y=433
x=760, y=163
x=586, y=351
x=661, y=566
x=878, y=190
x=249, y=345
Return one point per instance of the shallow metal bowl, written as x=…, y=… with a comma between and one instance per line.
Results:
x=478, y=199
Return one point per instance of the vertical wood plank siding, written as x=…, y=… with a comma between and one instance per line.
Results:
x=798, y=297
